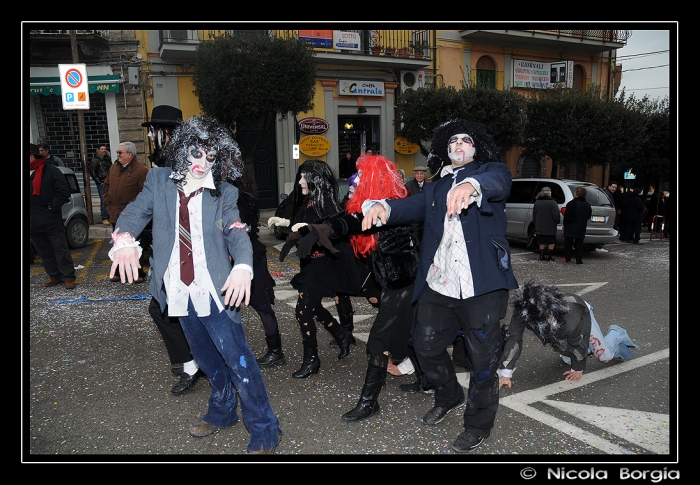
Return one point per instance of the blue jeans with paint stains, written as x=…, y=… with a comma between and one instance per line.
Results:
x=221, y=350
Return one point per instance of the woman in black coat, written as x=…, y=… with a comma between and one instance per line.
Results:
x=578, y=213
x=392, y=252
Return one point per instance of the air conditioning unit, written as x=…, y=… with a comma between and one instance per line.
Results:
x=412, y=80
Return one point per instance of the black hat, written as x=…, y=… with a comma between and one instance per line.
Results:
x=33, y=149
x=164, y=115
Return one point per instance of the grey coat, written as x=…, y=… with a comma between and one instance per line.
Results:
x=545, y=213
x=158, y=201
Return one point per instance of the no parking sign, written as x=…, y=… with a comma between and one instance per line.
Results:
x=74, y=86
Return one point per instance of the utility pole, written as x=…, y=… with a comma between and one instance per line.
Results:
x=81, y=130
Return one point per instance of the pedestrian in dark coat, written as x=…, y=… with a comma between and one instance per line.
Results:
x=545, y=214
x=48, y=191
x=633, y=211
x=578, y=213
x=99, y=169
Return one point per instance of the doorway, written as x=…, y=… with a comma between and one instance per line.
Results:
x=356, y=134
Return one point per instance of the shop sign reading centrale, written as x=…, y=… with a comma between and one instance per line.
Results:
x=314, y=145
x=348, y=87
x=313, y=125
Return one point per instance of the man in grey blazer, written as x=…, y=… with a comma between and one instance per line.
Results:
x=203, y=278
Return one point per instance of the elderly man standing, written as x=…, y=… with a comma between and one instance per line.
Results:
x=48, y=191
x=123, y=183
x=416, y=185
x=465, y=271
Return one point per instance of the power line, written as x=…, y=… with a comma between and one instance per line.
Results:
x=643, y=68
x=644, y=54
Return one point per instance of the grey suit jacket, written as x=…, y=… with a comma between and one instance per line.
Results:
x=158, y=201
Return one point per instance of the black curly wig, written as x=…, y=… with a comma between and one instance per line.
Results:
x=542, y=308
x=323, y=188
x=204, y=131
x=485, y=148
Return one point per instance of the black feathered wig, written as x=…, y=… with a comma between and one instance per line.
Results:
x=322, y=185
x=542, y=308
x=484, y=146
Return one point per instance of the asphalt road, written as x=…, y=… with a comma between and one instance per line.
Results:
x=96, y=378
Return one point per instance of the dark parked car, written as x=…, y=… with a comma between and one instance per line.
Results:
x=75, y=216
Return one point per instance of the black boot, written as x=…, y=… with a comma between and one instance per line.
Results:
x=345, y=312
x=374, y=381
x=310, y=365
x=274, y=355
x=547, y=255
x=343, y=338
x=541, y=254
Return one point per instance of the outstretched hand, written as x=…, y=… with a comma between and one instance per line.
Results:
x=292, y=240
x=317, y=234
x=573, y=376
x=505, y=382
x=127, y=260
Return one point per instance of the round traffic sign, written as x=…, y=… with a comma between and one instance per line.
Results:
x=74, y=78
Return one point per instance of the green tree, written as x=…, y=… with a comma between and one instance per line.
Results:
x=419, y=111
x=501, y=112
x=250, y=80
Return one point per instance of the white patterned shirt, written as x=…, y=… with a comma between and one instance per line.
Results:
x=450, y=274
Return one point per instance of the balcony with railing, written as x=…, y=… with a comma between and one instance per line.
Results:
x=407, y=49
x=585, y=42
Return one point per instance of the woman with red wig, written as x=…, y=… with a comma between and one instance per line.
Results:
x=393, y=257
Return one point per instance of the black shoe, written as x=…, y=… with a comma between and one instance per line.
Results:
x=272, y=357
x=467, y=441
x=364, y=409
x=333, y=342
x=310, y=365
x=186, y=383
x=437, y=414
x=177, y=370
x=416, y=387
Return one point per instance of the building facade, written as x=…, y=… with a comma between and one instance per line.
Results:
x=360, y=74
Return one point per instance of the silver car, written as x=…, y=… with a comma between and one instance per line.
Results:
x=522, y=199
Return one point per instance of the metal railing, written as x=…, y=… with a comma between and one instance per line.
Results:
x=618, y=36
x=397, y=43
x=101, y=33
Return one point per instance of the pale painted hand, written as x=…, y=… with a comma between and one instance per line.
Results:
x=237, y=288
x=374, y=214
x=277, y=221
x=504, y=381
x=573, y=376
x=127, y=260
x=459, y=198
x=295, y=227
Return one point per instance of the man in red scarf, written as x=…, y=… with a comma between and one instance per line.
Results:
x=48, y=191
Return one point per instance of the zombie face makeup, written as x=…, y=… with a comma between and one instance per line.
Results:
x=460, y=149
x=303, y=185
x=201, y=161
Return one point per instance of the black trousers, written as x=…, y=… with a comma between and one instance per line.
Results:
x=54, y=252
x=174, y=338
x=439, y=319
x=574, y=245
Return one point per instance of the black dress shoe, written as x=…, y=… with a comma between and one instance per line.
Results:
x=437, y=414
x=186, y=382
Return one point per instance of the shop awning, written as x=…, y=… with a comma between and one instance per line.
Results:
x=52, y=85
